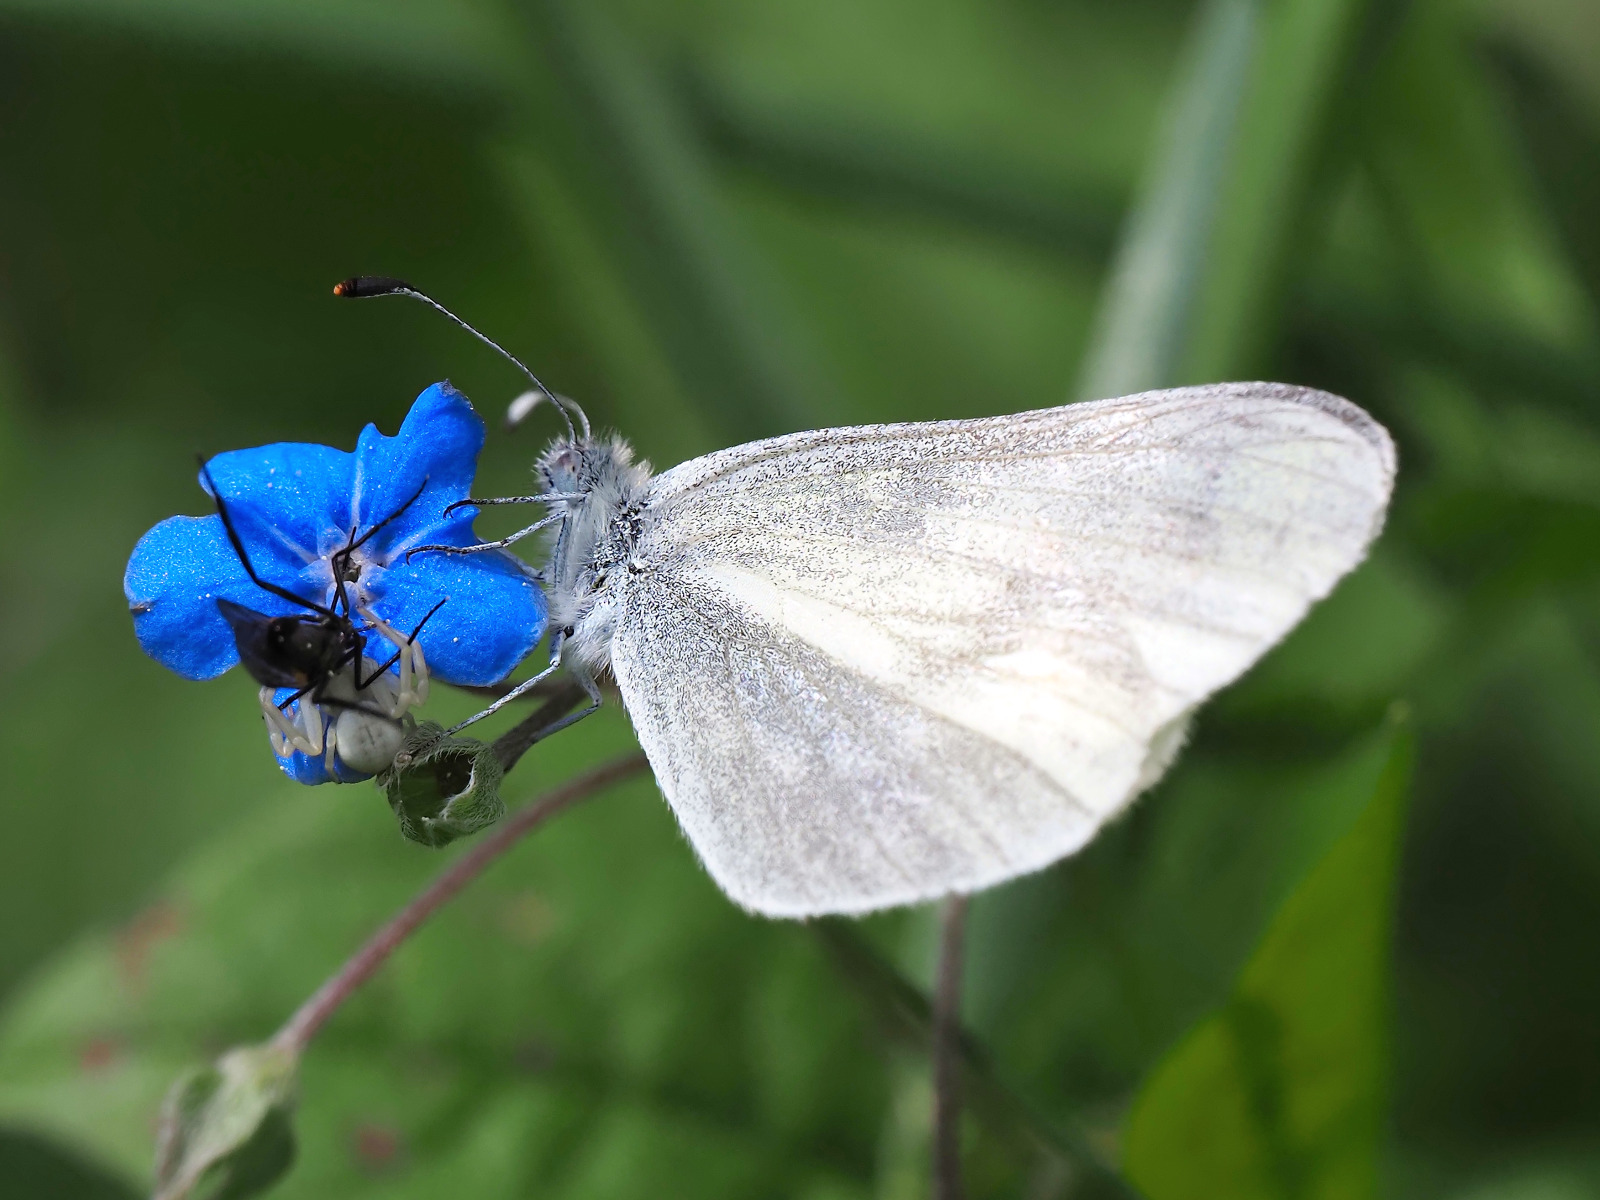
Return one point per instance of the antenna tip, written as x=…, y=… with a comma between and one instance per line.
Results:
x=360, y=286
x=518, y=410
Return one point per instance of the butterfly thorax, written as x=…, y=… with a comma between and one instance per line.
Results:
x=596, y=539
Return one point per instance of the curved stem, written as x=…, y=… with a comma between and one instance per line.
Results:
x=311, y=1016
x=562, y=698
x=947, y=1052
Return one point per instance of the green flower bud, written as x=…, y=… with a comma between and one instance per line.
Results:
x=443, y=787
x=227, y=1130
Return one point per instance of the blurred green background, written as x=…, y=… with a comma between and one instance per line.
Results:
x=1348, y=948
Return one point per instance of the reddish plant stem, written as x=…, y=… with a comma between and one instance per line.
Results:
x=298, y=1031
x=947, y=1183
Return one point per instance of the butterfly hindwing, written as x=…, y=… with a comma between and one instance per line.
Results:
x=874, y=665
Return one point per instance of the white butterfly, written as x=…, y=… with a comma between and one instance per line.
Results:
x=873, y=666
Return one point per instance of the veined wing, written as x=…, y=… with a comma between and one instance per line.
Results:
x=874, y=665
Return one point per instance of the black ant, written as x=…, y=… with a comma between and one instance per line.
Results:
x=308, y=651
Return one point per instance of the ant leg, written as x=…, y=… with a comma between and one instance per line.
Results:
x=394, y=516
x=244, y=558
x=524, y=686
x=501, y=544
x=290, y=699
x=341, y=558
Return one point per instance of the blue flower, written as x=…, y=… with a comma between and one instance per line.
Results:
x=295, y=507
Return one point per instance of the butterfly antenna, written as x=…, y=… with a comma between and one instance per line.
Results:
x=360, y=287
x=517, y=411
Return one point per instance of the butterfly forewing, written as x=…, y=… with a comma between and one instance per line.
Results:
x=874, y=665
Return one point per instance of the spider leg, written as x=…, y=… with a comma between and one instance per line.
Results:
x=285, y=735
x=358, y=655
x=413, y=666
x=589, y=686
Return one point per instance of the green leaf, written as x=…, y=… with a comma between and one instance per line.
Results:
x=589, y=1001
x=1282, y=1092
x=601, y=114
x=1225, y=193
x=449, y=47
x=34, y=1168
x=1483, y=253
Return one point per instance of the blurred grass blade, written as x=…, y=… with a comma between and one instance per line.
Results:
x=1241, y=119
x=1190, y=296
x=461, y=47
x=1145, y=308
x=1281, y=1093
x=724, y=328
x=1489, y=287
x=1304, y=54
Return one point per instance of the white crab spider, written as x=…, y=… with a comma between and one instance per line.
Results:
x=365, y=729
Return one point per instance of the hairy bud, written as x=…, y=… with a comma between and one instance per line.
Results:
x=443, y=787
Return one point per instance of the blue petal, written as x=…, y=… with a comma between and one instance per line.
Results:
x=293, y=498
x=295, y=504
x=304, y=769
x=436, y=451
x=173, y=580
x=493, y=614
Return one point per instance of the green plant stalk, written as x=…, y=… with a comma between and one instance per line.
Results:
x=606, y=119
x=947, y=1183
x=905, y=1014
x=1303, y=57
x=1148, y=300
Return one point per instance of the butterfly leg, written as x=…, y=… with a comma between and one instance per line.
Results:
x=525, y=686
x=593, y=690
x=485, y=502
x=554, y=715
x=497, y=545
